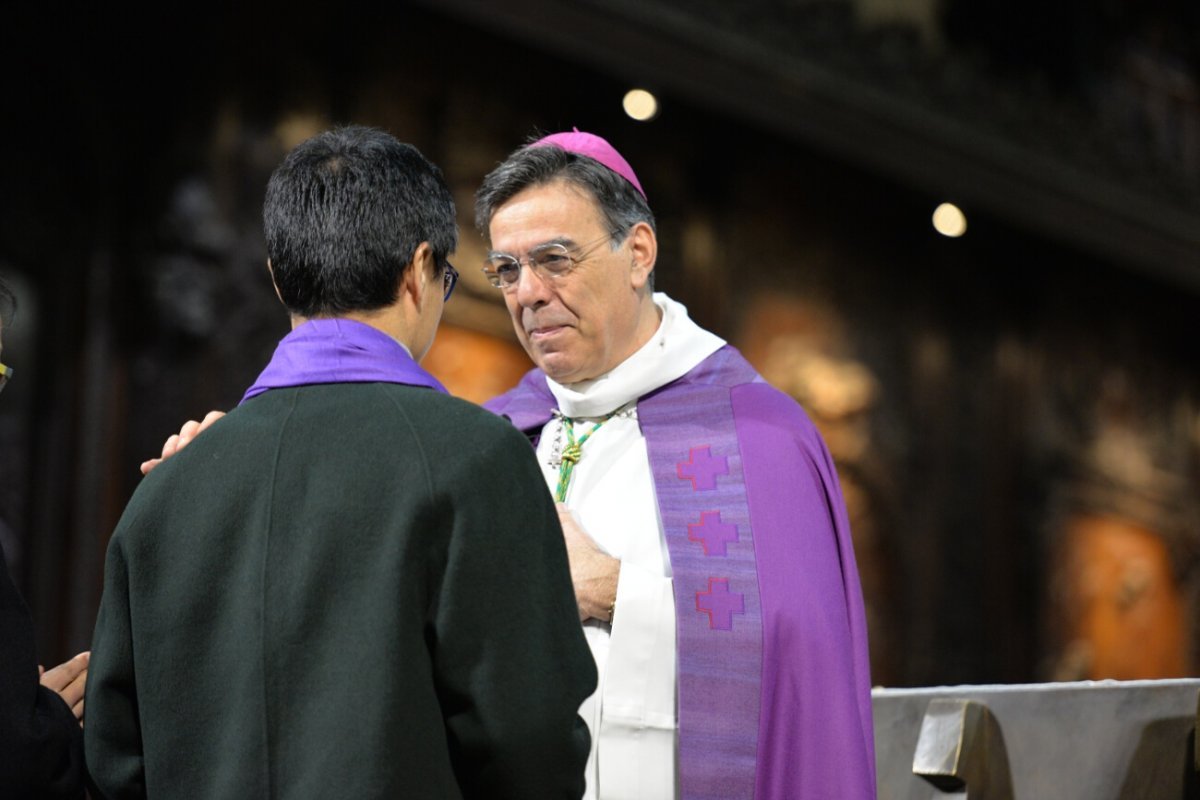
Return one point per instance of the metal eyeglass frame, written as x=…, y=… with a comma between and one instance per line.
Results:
x=534, y=259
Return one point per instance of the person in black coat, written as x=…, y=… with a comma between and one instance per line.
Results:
x=355, y=585
x=41, y=713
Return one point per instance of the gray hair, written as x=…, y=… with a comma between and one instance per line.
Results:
x=620, y=204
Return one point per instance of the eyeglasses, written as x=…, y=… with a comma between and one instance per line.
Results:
x=550, y=260
x=449, y=280
x=5, y=376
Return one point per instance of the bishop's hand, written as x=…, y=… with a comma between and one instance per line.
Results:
x=593, y=571
x=176, y=442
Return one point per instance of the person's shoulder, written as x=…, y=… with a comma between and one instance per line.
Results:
x=728, y=368
x=463, y=442
x=376, y=409
x=193, y=470
x=760, y=398
x=457, y=422
x=769, y=417
x=449, y=407
x=532, y=388
x=725, y=367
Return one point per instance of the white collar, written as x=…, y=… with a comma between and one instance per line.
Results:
x=674, y=350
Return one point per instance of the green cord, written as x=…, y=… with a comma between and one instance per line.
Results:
x=572, y=453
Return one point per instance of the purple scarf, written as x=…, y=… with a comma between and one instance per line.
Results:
x=339, y=351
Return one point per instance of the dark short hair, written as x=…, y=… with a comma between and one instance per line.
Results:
x=620, y=204
x=8, y=303
x=344, y=214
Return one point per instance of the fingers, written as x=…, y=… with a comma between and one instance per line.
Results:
x=74, y=701
x=209, y=419
x=62, y=675
x=190, y=430
x=177, y=441
x=69, y=680
x=170, y=446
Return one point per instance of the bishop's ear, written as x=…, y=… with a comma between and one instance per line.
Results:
x=643, y=250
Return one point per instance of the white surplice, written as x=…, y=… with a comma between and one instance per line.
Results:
x=632, y=715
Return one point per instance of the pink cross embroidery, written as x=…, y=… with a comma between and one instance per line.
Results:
x=712, y=533
x=702, y=468
x=720, y=604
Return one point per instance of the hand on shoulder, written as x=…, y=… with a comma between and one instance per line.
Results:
x=176, y=442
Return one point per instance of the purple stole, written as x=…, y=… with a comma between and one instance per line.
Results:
x=697, y=467
x=339, y=351
x=773, y=678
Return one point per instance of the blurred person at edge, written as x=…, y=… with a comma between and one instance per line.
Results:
x=41, y=744
x=709, y=544
x=355, y=585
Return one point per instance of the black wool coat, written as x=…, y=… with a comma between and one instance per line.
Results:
x=345, y=590
x=41, y=746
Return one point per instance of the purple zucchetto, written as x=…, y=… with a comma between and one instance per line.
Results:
x=592, y=146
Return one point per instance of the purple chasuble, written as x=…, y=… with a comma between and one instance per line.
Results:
x=773, y=685
x=339, y=351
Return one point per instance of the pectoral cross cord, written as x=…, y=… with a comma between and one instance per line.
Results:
x=572, y=452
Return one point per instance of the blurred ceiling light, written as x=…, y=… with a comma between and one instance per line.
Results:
x=949, y=220
x=640, y=104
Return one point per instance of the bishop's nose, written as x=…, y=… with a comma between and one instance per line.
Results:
x=533, y=291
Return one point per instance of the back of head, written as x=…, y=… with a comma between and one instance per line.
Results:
x=619, y=200
x=343, y=215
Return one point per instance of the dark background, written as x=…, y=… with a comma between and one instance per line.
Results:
x=978, y=393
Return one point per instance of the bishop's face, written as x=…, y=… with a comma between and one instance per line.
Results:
x=579, y=325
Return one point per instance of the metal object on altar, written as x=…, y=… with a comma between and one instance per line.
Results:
x=1094, y=740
